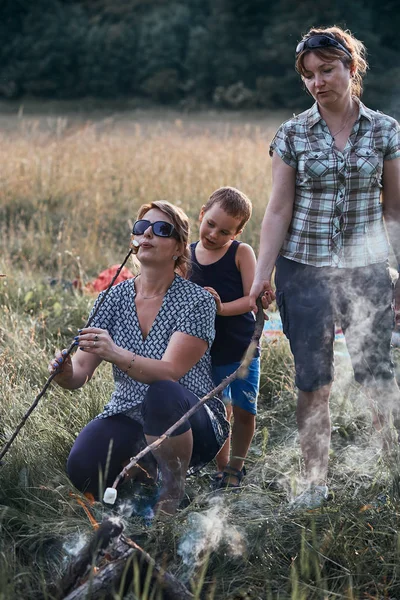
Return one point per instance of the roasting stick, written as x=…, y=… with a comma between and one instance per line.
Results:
x=110, y=495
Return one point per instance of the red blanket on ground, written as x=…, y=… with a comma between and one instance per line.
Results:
x=104, y=278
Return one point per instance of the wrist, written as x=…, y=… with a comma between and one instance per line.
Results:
x=125, y=360
x=130, y=361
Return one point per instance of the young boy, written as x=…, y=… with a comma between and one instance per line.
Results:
x=226, y=267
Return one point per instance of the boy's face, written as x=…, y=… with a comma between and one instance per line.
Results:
x=217, y=228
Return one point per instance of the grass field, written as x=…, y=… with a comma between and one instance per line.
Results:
x=70, y=186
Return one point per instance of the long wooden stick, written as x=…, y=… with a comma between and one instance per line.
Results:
x=240, y=372
x=51, y=377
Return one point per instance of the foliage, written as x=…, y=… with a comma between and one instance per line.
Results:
x=187, y=52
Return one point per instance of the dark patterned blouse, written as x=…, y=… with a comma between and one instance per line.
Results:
x=186, y=308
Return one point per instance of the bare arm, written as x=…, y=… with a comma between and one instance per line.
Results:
x=246, y=263
x=182, y=353
x=75, y=370
x=391, y=203
x=391, y=210
x=274, y=226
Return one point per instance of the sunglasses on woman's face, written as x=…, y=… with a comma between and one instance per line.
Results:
x=160, y=228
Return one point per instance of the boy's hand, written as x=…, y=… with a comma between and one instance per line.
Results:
x=218, y=302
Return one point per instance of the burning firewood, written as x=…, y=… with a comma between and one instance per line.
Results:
x=108, y=562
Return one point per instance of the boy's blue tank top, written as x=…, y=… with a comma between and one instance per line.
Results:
x=233, y=334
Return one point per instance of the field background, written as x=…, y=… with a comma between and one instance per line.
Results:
x=70, y=185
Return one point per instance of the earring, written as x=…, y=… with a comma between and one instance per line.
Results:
x=175, y=257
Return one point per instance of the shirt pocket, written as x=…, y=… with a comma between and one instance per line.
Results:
x=316, y=164
x=368, y=162
x=365, y=170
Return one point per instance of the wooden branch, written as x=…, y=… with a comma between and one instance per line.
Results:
x=240, y=372
x=46, y=386
x=87, y=557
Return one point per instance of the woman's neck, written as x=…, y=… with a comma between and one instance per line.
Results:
x=152, y=282
x=338, y=111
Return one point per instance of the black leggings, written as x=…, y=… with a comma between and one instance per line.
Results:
x=104, y=446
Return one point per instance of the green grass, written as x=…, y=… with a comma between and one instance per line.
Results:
x=247, y=545
x=65, y=204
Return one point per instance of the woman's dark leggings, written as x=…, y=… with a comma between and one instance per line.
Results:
x=104, y=446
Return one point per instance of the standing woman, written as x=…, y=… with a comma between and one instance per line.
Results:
x=156, y=330
x=335, y=200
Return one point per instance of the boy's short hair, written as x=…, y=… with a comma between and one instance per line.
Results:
x=233, y=202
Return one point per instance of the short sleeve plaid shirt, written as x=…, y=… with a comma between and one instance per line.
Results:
x=337, y=215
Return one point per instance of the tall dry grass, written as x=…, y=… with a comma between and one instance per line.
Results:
x=70, y=189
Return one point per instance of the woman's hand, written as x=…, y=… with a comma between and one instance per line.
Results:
x=218, y=301
x=62, y=363
x=98, y=342
x=264, y=290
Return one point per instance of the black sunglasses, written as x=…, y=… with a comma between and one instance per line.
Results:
x=160, y=228
x=320, y=41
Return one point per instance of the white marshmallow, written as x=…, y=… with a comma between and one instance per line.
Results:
x=110, y=496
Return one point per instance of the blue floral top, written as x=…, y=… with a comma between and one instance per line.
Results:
x=186, y=308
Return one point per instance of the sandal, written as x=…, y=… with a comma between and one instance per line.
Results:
x=229, y=473
x=216, y=479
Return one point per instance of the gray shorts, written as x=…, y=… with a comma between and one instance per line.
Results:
x=312, y=300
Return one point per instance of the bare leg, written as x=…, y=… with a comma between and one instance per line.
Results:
x=243, y=428
x=385, y=406
x=144, y=473
x=314, y=425
x=244, y=424
x=223, y=455
x=173, y=458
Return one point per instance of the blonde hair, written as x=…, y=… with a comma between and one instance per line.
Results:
x=181, y=224
x=233, y=202
x=357, y=63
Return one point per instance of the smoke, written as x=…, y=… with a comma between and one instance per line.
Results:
x=140, y=507
x=206, y=532
x=74, y=545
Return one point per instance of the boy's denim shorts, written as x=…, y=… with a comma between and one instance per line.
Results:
x=312, y=300
x=241, y=392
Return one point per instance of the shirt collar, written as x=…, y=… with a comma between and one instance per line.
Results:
x=314, y=115
x=364, y=111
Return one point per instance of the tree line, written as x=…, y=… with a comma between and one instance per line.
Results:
x=235, y=54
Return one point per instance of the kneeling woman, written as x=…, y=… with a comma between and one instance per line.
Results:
x=156, y=330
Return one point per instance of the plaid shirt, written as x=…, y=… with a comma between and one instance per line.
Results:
x=337, y=216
